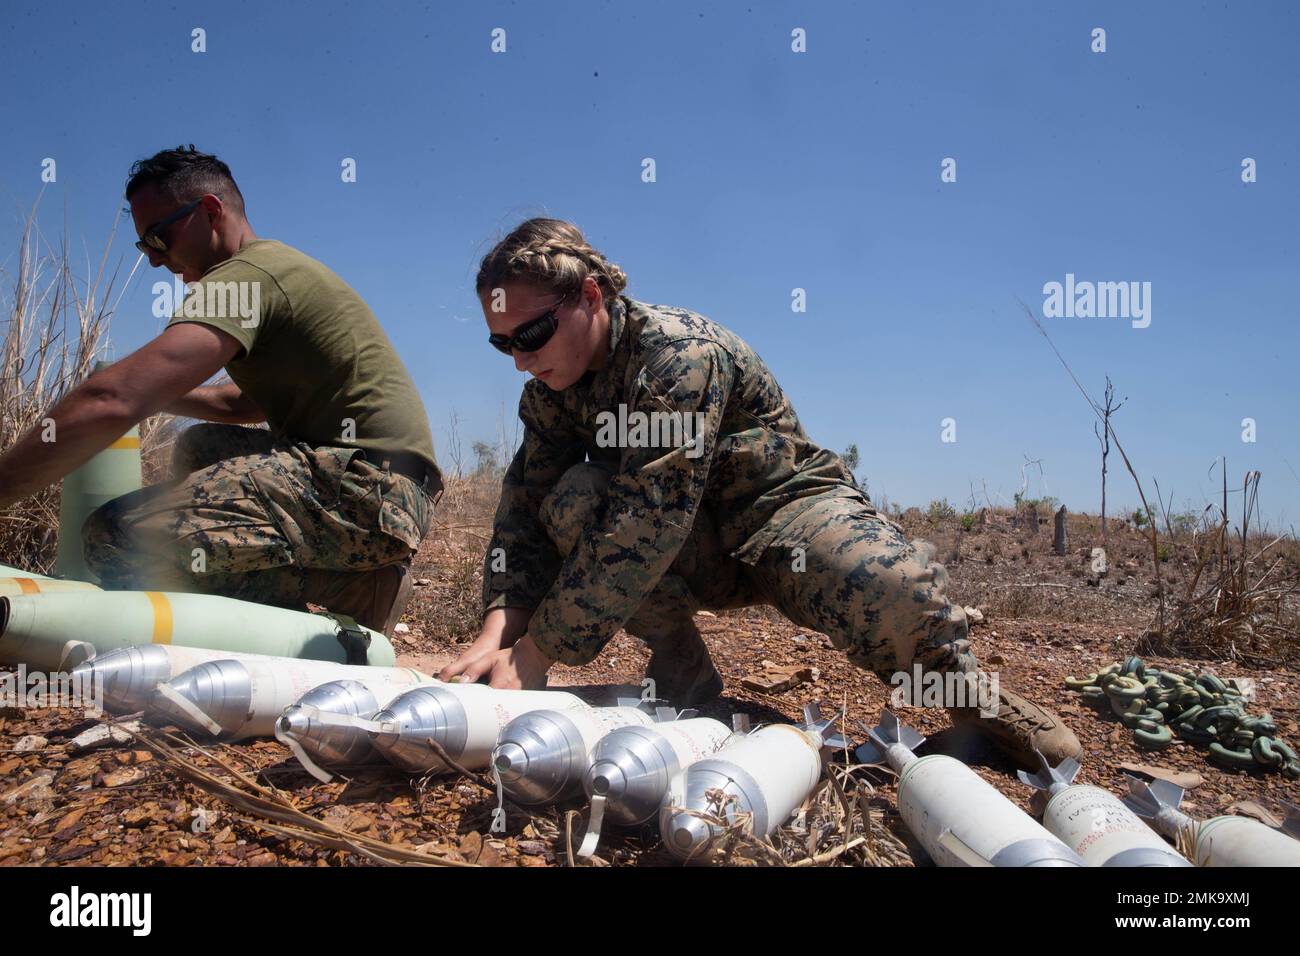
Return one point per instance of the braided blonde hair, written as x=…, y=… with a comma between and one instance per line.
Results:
x=552, y=254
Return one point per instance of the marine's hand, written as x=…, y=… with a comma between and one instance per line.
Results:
x=489, y=641
x=521, y=667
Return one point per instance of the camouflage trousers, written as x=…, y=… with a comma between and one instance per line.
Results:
x=248, y=517
x=838, y=567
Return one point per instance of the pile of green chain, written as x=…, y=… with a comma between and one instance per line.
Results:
x=1156, y=703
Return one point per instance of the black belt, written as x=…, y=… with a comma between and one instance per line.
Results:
x=404, y=463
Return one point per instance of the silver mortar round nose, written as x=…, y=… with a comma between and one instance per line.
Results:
x=511, y=762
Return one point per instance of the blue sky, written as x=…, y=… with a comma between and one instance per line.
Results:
x=775, y=170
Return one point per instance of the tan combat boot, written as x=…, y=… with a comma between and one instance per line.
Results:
x=374, y=599
x=681, y=668
x=1020, y=728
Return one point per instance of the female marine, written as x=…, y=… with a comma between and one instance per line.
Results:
x=663, y=470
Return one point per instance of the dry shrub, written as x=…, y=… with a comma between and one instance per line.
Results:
x=57, y=325
x=452, y=557
x=1018, y=603
x=1242, y=601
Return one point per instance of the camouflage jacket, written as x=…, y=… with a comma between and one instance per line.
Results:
x=750, y=464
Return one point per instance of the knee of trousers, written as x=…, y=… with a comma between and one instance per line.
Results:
x=103, y=538
x=205, y=444
x=572, y=505
x=881, y=600
x=192, y=448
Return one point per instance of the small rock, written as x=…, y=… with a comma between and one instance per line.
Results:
x=360, y=823
x=37, y=788
x=103, y=734
x=65, y=825
x=471, y=846
x=422, y=582
x=401, y=628
x=265, y=858
x=29, y=743
x=120, y=778
x=774, y=679
x=137, y=816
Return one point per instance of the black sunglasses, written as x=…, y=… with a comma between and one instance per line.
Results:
x=530, y=336
x=151, y=241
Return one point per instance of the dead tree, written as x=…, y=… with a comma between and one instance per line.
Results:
x=1105, y=410
x=1110, y=431
x=1026, y=512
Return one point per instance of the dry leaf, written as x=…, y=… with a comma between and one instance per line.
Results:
x=1249, y=808
x=1187, y=779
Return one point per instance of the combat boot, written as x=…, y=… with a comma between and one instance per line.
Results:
x=1020, y=728
x=374, y=599
x=681, y=668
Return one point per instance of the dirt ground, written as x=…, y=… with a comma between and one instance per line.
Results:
x=1046, y=617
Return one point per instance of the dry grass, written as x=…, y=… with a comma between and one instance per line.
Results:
x=57, y=322
x=1243, y=600
x=58, y=315
x=271, y=809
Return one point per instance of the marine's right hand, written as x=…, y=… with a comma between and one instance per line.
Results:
x=502, y=627
x=488, y=642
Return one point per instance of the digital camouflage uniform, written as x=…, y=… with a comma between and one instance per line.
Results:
x=246, y=516
x=596, y=538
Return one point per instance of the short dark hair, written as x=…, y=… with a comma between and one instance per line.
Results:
x=183, y=174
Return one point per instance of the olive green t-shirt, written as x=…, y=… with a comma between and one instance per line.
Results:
x=315, y=358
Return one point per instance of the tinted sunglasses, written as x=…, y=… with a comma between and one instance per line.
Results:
x=530, y=336
x=151, y=241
